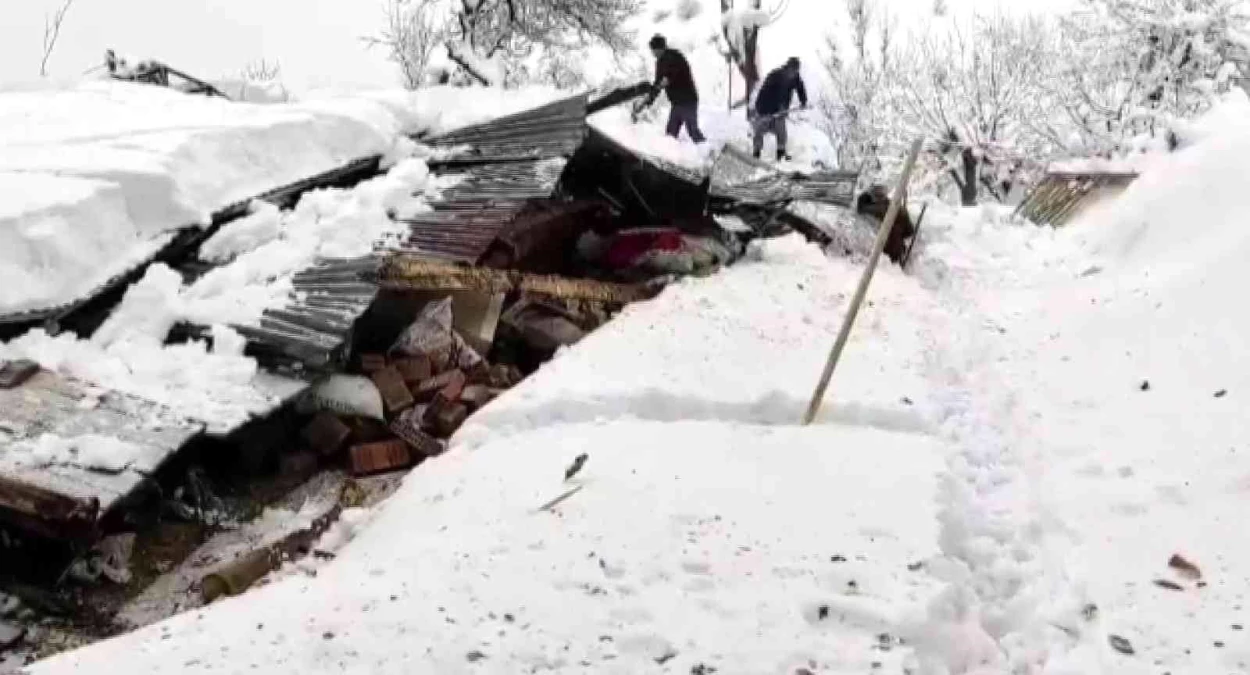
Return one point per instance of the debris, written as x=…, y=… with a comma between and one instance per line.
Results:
x=476, y=318
x=543, y=326
x=1145, y=385
x=476, y=396
x=576, y=466
x=14, y=373
x=408, y=427
x=822, y=612
x=395, y=394
x=1121, y=645
x=10, y=635
x=238, y=576
x=345, y=395
x=702, y=669
x=1184, y=567
x=838, y=559
x=558, y=500
x=115, y=553
x=1221, y=393
x=380, y=457
x=326, y=434
x=372, y=363
x=1170, y=585
x=431, y=335
x=449, y=385
x=414, y=369
x=298, y=465
x=666, y=657
x=474, y=656
x=446, y=416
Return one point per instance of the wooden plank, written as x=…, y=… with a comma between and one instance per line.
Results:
x=404, y=273
x=51, y=404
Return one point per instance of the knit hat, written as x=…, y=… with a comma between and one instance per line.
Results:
x=658, y=42
x=793, y=62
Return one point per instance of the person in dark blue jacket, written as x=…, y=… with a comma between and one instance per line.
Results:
x=773, y=101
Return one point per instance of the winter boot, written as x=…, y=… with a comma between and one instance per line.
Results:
x=782, y=156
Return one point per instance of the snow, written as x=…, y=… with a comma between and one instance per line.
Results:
x=138, y=162
x=91, y=452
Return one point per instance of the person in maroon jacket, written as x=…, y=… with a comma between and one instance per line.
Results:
x=672, y=74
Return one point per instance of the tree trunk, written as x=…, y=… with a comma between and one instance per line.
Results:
x=968, y=186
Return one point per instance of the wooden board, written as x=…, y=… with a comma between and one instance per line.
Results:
x=51, y=404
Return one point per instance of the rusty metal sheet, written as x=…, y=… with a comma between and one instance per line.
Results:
x=1061, y=195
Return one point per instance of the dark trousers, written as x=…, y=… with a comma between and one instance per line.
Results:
x=775, y=125
x=685, y=116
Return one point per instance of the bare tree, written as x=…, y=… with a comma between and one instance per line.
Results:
x=856, y=109
x=972, y=88
x=489, y=38
x=740, y=29
x=52, y=33
x=413, y=30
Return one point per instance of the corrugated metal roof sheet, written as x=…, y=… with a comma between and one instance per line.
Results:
x=554, y=130
x=742, y=178
x=1060, y=196
x=314, y=330
x=469, y=216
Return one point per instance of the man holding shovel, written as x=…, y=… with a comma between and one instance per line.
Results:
x=772, y=105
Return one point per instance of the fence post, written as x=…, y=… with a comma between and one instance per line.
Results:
x=883, y=236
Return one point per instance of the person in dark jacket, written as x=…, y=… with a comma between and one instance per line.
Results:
x=773, y=100
x=673, y=76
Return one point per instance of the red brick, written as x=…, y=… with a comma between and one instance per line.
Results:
x=477, y=395
x=446, y=416
x=395, y=394
x=415, y=370
x=380, y=457
x=372, y=363
x=449, y=385
x=326, y=434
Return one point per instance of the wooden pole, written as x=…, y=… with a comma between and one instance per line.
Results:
x=883, y=235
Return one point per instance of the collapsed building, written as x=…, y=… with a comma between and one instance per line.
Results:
x=549, y=226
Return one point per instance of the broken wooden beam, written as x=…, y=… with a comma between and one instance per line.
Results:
x=47, y=513
x=407, y=273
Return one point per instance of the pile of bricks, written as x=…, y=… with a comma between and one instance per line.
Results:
x=425, y=401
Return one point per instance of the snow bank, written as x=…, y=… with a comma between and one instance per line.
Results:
x=95, y=177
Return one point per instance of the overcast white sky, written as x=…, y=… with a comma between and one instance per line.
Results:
x=317, y=42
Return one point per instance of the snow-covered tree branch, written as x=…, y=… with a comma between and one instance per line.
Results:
x=51, y=34
x=414, y=30
x=490, y=39
x=740, y=31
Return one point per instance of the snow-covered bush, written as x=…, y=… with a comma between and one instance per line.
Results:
x=413, y=30
x=688, y=10
x=494, y=41
x=1132, y=69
